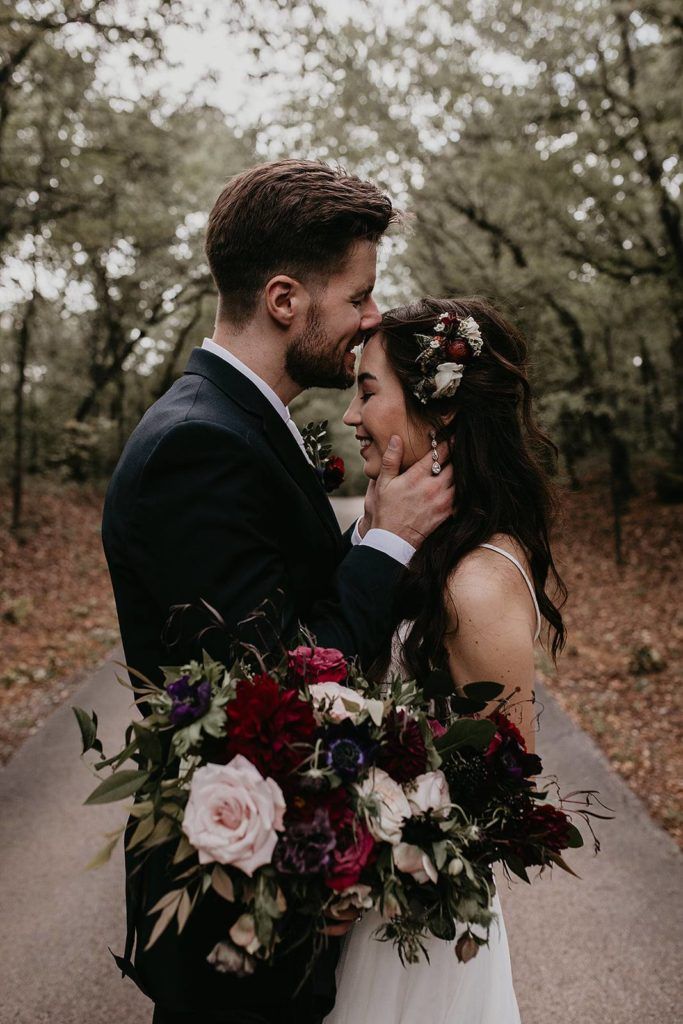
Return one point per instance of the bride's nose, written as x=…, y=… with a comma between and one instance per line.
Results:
x=351, y=417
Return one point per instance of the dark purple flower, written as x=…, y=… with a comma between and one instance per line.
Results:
x=306, y=846
x=346, y=757
x=190, y=700
x=350, y=748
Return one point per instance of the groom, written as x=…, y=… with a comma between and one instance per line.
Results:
x=214, y=498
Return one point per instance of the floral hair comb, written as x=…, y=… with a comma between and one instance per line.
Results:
x=445, y=354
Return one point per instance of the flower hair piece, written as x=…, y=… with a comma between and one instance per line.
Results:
x=444, y=355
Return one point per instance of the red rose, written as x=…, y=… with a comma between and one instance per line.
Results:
x=309, y=665
x=403, y=753
x=458, y=350
x=348, y=860
x=268, y=726
x=437, y=728
x=333, y=473
x=507, y=752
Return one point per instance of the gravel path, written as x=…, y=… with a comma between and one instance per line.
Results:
x=603, y=950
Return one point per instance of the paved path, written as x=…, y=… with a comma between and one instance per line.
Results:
x=603, y=950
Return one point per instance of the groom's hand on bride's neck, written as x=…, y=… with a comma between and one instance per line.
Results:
x=412, y=504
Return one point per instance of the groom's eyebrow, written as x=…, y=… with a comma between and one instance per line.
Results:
x=362, y=293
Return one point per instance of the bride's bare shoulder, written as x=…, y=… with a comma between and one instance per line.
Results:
x=486, y=582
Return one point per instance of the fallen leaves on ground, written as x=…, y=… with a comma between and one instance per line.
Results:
x=57, y=615
x=621, y=674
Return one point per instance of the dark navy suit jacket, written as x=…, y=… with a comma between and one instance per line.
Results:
x=213, y=499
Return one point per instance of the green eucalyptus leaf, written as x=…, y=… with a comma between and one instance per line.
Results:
x=119, y=758
x=466, y=732
x=466, y=706
x=485, y=691
x=104, y=855
x=118, y=786
x=561, y=862
x=142, y=830
x=516, y=865
x=88, y=726
x=575, y=839
x=148, y=742
x=164, y=919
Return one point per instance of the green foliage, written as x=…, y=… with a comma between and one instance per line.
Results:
x=535, y=146
x=102, y=228
x=466, y=732
x=537, y=150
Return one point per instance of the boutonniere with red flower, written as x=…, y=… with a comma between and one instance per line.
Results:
x=329, y=467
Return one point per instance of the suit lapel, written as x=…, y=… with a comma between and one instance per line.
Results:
x=242, y=391
x=288, y=451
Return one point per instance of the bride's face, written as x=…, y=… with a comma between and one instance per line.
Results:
x=379, y=410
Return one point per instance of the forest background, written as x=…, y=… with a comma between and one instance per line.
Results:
x=536, y=147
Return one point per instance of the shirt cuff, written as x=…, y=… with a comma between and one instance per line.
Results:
x=389, y=543
x=356, y=538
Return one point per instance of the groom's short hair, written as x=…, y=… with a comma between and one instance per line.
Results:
x=296, y=217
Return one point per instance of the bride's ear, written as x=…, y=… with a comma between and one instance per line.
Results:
x=448, y=418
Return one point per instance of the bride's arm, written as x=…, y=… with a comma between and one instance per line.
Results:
x=492, y=622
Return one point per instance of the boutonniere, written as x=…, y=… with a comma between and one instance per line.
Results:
x=329, y=467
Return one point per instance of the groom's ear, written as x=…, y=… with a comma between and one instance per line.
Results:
x=286, y=300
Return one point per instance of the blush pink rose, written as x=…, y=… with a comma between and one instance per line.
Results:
x=317, y=665
x=429, y=794
x=233, y=815
x=387, y=808
x=338, y=702
x=415, y=862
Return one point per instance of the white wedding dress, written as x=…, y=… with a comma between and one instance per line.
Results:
x=373, y=987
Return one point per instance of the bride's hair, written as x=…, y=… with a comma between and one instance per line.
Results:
x=499, y=458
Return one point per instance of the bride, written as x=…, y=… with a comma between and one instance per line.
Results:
x=473, y=599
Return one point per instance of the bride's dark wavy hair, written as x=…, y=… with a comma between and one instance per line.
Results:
x=499, y=457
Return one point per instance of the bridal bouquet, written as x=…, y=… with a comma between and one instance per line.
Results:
x=307, y=790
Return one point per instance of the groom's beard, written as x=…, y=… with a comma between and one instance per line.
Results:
x=312, y=361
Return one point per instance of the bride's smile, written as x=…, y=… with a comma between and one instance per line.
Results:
x=379, y=410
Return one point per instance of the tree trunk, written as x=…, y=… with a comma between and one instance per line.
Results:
x=23, y=338
x=677, y=363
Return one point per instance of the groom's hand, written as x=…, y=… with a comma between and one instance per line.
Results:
x=414, y=503
x=369, y=509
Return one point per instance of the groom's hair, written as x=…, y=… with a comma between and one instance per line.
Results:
x=296, y=217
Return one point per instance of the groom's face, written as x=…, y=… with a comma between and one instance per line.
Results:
x=341, y=311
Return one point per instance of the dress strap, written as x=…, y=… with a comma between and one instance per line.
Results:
x=515, y=561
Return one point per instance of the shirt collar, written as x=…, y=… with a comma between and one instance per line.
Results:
x=257, y=381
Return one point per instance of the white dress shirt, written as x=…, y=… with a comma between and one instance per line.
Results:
x=382, y=540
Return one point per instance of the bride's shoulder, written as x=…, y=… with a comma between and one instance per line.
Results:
x=486, y=579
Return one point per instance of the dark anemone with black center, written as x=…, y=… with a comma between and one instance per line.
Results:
x=349, y=749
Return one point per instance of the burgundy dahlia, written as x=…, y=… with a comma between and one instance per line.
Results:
x=403, y=753
x=548, y=825
x=271, y=727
